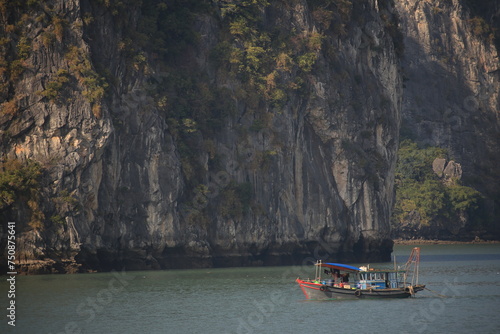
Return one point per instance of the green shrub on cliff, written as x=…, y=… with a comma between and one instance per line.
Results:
x=17, y=180
x=415, y=163
x=54, y=87
x=483, y=23
x=94, y=85
x=463, y=198
x=270, y=60
x=420, y=190
x=20, y=181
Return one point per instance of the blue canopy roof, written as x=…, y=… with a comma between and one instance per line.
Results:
x=340, y=266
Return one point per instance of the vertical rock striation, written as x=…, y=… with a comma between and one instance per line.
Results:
x=125, y=184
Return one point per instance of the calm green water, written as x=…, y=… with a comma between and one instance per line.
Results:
x=260, y=300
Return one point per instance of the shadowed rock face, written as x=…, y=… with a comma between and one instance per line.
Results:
x=451, y=95
x=125, y=186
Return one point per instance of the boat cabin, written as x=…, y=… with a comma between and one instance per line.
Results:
x=379, y=279
x=349, y=277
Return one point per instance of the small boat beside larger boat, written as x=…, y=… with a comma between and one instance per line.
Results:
x=342, y=281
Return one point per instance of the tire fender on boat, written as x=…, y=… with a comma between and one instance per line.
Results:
x=357, y=293
x=323, y=288
x=410, y=290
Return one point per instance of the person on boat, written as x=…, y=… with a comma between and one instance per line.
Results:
x=336, y=277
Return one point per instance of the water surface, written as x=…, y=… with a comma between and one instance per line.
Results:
x=465, y=280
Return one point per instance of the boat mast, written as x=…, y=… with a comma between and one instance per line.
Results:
x=318, y=270
x=412, y=266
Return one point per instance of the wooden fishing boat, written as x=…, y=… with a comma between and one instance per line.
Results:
x=341, y=281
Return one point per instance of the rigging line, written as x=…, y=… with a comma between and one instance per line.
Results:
x=440, y=295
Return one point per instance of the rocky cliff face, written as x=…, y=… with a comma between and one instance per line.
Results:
x=451, y=92
x=129, y=179
x=204, y=133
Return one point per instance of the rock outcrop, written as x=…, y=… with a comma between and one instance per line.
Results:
x=448, y=170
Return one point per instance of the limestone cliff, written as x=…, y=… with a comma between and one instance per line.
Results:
x=171, y=134
x=160, y=134
x=451, y=96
